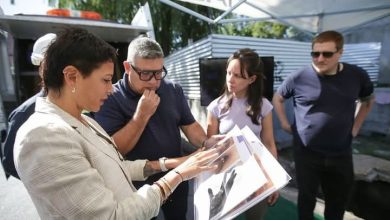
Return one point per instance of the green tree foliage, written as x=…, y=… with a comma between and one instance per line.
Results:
x=263, y=29
x=174, y=28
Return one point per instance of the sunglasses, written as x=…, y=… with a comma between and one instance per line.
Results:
x=326, y=54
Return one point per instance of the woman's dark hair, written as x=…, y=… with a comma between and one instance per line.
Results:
x=76, y=47
x=252, y=64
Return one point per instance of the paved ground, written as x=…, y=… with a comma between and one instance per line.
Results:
x=15, y=203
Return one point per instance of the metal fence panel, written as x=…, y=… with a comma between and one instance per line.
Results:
x=289, y=56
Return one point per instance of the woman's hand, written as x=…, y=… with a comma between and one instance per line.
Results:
x=197, y=163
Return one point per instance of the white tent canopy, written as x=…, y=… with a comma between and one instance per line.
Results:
x=308, y=15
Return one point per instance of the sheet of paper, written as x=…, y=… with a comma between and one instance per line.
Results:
x=247, y=173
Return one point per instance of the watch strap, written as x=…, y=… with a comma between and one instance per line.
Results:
x=162, y=164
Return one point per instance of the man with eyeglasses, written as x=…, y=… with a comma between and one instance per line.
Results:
x=326, y=96
x=145, y=114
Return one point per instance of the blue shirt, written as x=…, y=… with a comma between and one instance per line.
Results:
x=324, y=107
x=161, y=136
x=15, y=120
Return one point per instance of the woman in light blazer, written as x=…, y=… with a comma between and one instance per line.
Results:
x=69, y=165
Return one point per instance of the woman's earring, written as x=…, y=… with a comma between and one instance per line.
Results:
x=74, y=90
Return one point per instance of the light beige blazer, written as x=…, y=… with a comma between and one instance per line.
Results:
x=71, y=172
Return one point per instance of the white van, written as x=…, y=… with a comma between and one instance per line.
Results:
x=19, y=79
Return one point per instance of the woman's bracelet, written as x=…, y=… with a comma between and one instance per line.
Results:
x=167, y=184
x=178, y=173
x=162, y=191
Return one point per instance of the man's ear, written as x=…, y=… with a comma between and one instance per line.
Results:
x=126, y=64
x=70, y=75
x=341, y=51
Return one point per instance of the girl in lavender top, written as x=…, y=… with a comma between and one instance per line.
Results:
x=242, y=104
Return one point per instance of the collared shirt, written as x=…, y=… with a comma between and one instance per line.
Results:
x=161, y=136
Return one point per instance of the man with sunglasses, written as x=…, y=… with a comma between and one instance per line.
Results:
x=331, y=100
x=145, y=114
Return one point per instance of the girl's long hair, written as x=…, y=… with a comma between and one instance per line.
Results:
x=252, y=64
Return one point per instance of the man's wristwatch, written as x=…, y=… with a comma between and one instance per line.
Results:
x=162, y=164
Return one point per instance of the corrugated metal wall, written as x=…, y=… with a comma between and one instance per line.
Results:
x=289, y=56
x=183, y=66
x=365, y=55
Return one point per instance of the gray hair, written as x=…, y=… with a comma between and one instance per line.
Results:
x=145, y=48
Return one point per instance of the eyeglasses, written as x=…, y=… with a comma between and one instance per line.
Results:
x=146, y=75
x=326, y=54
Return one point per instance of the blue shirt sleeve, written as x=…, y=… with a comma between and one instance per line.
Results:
x=186, y=117
x=367, y=87
x=286, y=89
